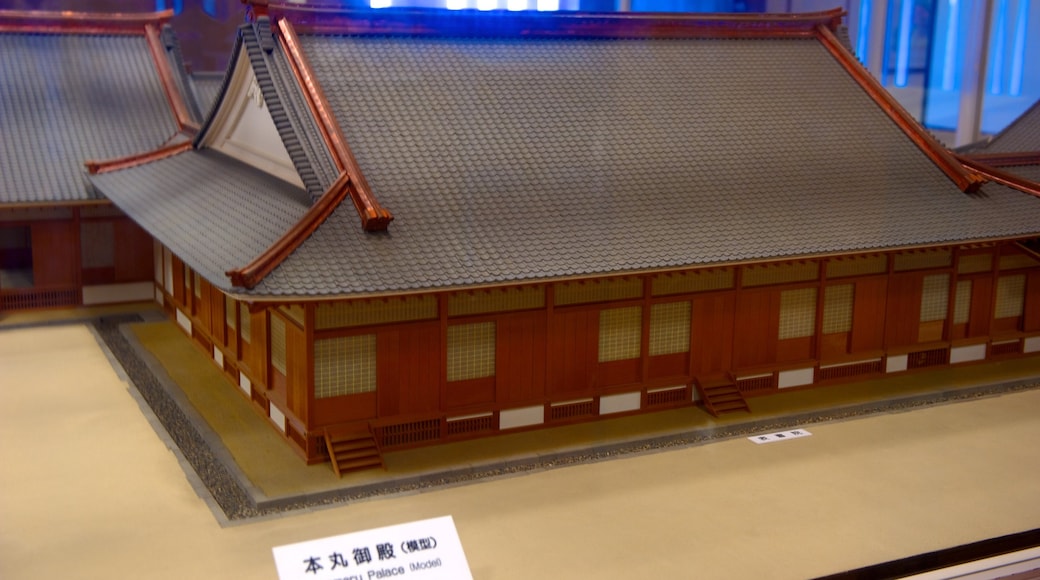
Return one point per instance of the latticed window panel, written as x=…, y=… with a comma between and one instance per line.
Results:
x=1011, y=294
x=484, y=301
x=922, y=260
x=278, y=344
x=797, y=313
x=857, y=266
x=471, y=351
x=781, y=273
x=687, y=282
x=935, y=297
x=375, y=311
x=837, y=308
x=973, y=263
x=187, y=278
x=197, y=285
x=620, y=333
x=962, y=302
x=597, y=291
x=246, y=323
x=344, y=366
x=230, y=308
x=1017, y=262
x=669, y=328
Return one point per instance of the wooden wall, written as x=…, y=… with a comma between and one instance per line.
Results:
x=550, y=354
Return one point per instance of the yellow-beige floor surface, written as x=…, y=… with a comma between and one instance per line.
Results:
x=88, y=489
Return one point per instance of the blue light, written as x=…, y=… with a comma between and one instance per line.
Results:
x=864, y=30
x=903, y=57
x=487, y=4
x=548, y=5
x=1018, y=53
x=516, y=5
x=177, y=5
x=455, y=4
x=997, y=68
x=949, y=71
x=380, y=3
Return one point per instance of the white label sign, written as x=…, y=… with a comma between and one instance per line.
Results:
x=781, y=436
x=422, y=550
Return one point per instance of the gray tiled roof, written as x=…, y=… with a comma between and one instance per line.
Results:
x=214, y=212
x=206, y=87
x=1023, y=134
x=506, y=160
x=66, y=99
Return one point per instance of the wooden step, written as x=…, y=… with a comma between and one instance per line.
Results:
x=352, y=450
x=720, y=395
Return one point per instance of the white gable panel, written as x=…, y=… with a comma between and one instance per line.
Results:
x=243, y=128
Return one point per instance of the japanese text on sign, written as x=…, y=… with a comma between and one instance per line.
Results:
x=424, y=550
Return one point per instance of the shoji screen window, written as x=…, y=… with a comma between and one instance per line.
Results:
x=797, y=324
x=620, y=346
x=620, y=333
x=1010, y=302
x=471, y=351
x=837, y=319
x=344, y=366
x=669, y=339
x=935, y=301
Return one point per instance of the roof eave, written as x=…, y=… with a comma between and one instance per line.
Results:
x=96, y=167
x=274, y=298
x=251, y=274
x=417, y=21
x=46, y=22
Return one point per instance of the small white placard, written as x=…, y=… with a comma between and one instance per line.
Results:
x=422, y=550
x=781, y=436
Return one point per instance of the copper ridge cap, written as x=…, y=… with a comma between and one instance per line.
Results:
x=418, y=21
x=374, y=217
x=72, y=22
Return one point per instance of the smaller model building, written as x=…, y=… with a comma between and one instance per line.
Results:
x=413, y=226
x=75, y=88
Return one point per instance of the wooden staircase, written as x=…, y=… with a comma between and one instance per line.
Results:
x=352, y=450
x=720, y=395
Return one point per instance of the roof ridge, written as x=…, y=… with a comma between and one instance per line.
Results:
x=967, y=180
x=1003, y=159
x=50, y=22
x=989, y=171
x=178, y=105
x=97, y=167
x=172, y=44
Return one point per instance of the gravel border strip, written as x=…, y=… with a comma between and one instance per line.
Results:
x=239, y=500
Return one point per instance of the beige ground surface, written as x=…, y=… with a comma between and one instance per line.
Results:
x=88, y=490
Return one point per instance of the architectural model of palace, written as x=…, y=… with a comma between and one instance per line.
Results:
x=407, y=227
